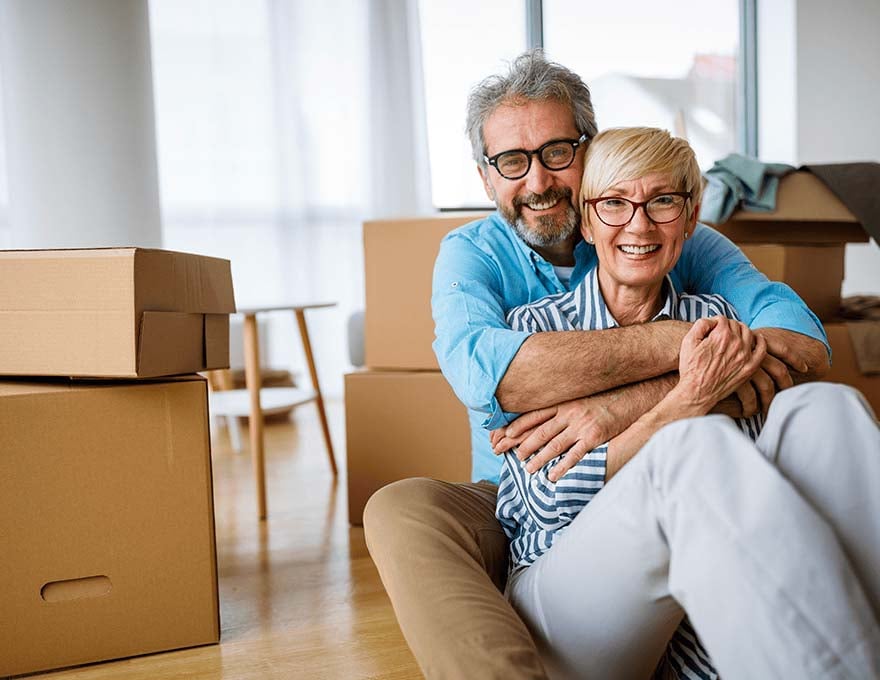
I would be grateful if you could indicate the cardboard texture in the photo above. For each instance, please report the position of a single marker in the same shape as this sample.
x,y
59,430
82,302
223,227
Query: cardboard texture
x,y
398,267
113,312
106,519
806,212
845,368
402,424
814,272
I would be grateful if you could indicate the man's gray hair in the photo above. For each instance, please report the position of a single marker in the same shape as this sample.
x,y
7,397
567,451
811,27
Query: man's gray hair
x,y
531,77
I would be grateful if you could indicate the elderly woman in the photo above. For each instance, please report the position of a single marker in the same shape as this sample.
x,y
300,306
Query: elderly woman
x,y
754,539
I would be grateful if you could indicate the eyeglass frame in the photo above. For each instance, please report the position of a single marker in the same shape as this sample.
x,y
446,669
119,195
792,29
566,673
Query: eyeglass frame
x,y
575,143
639,204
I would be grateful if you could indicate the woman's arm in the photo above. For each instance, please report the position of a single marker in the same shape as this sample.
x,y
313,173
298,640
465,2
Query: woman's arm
x,y
717,356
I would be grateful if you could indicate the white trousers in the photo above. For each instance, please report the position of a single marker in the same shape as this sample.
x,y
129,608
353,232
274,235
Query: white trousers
x,y
772,548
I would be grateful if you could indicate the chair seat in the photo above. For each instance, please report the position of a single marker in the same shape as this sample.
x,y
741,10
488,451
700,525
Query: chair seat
x,y
272,400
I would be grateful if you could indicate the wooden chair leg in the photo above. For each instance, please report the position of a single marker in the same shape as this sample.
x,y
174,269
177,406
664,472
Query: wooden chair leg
x,y
313,373
253,380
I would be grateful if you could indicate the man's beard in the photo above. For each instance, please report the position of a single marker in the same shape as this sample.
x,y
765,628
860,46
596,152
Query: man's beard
x,y
550,229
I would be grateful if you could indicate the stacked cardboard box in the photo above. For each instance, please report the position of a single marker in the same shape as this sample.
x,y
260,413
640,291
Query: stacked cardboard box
x,y
802,243
106,503
402,418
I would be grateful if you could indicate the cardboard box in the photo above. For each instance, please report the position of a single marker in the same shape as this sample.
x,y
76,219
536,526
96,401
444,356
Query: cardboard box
x,y
814,272
398,267
106,521
113,312
844,367
402,424
806,212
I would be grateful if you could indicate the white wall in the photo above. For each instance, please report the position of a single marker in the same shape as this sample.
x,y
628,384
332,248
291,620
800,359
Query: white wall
x,y
818,98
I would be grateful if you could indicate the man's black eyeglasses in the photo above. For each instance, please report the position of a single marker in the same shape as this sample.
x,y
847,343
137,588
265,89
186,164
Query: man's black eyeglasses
x,y
616,211
556,154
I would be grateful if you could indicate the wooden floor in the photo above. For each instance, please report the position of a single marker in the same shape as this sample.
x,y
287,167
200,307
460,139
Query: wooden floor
x,y
299,595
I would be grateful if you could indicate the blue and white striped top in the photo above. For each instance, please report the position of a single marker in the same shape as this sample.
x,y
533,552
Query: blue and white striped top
x,y
532,509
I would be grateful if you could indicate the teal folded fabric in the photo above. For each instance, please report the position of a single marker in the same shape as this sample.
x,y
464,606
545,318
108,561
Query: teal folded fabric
x,y
738,181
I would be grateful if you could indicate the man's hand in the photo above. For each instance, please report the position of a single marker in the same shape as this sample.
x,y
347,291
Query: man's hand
x,y
791,358
804,357
572,427
578,426
756,394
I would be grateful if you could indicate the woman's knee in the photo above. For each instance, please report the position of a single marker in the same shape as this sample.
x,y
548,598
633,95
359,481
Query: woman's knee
x,y
696,450
820,402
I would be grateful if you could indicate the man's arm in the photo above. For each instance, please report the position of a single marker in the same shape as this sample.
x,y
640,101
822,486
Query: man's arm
x,y
579,425
557,366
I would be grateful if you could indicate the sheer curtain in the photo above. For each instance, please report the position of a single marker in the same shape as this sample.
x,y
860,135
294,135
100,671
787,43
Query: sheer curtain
x,y
281,126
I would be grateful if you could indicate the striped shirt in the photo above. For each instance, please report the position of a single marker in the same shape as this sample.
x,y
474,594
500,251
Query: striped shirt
x,y
532,509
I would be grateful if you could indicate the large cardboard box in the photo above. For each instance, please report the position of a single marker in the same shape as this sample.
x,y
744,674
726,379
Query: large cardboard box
x,y
402,424
806,212
814,272
398,267
844,366
106,521
113,312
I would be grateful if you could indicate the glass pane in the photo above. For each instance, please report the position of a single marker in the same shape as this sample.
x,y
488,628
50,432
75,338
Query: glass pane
x,y
462,42
671,65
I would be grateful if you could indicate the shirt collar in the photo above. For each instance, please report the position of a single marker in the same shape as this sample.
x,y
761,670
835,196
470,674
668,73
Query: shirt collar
x,y
669,310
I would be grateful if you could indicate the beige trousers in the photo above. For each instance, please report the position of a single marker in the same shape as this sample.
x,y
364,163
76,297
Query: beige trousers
x,y
443,559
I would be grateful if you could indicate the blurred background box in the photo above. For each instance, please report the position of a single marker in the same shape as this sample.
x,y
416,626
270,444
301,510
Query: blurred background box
x,y
402,424
814,272
399,259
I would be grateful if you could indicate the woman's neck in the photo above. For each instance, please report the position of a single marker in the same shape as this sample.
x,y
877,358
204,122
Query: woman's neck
x,y
630,304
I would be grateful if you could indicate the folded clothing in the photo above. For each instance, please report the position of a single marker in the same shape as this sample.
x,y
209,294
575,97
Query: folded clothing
x,y
737,181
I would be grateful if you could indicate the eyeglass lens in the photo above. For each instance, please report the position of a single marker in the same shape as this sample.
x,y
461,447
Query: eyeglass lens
x,y
616,212
555,156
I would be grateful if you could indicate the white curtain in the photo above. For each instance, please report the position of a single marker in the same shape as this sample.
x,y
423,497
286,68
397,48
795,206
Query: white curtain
x,y
281,126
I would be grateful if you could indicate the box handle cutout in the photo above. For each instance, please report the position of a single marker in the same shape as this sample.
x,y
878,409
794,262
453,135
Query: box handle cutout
x,y
76,589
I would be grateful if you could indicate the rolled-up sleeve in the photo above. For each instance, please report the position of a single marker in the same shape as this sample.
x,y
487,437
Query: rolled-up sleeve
x,y
473,344
711,263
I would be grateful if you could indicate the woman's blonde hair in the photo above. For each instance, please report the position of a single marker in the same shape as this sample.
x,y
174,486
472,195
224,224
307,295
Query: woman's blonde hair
x,y
620,154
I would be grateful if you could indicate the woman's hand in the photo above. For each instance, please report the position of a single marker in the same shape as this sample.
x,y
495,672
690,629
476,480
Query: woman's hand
x,y
717,356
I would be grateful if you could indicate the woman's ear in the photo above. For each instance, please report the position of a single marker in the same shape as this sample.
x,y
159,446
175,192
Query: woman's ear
x,y
692,222
586,229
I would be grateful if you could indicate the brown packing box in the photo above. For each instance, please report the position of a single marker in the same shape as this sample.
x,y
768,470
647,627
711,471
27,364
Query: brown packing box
x,y
402,424
806,212
113,312
398,267
106,519
814,272
844,367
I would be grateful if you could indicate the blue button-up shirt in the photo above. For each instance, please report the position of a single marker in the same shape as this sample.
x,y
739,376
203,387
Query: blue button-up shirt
x,y
484,269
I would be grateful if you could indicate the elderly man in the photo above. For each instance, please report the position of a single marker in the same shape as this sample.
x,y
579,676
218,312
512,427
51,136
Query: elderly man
x,y
439,549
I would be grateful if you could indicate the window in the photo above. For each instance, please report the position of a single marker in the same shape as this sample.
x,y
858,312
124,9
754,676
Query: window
x,y
674,65
462,42
671,65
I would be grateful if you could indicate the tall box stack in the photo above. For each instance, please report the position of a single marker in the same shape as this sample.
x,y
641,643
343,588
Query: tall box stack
x,y
402,418
106,502
802,243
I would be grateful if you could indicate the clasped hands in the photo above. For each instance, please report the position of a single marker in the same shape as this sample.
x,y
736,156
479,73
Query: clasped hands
x,y
719,357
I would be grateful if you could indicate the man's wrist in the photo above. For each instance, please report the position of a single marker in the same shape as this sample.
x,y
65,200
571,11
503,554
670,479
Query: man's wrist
x,y
669,342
